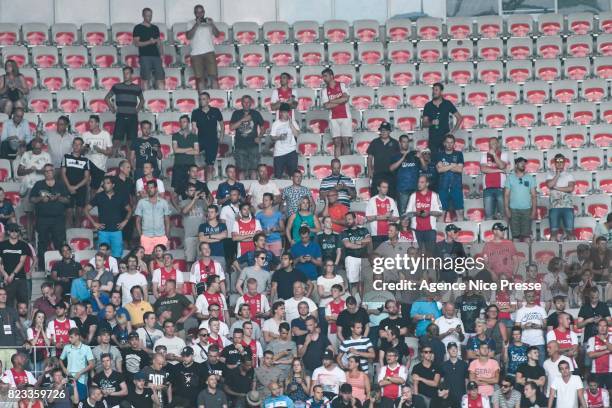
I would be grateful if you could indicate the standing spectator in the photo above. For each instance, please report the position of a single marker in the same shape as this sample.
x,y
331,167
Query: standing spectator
x,y
554,282
129,100
98,147
450,248
335,98
50,199
561,185
186,148
352,313
357,242
334,211
258,189
516,352
343,185
114,213
307,255
272,224
16,135
13,89
10,330
304,217
239,381
284,134
150,49
7,211
64,272
391,377
532,319
565,337
423,208
381,152
80,361
243,230
59,141
450,326
500,255
145,149
455,371
567,389
406,165
426,375
424,312
224,189
436,117
293,194
506,395
148,175
213,232
13,254
493,165
284,94
152,219
598,350
449,164
484,371
111,381
531,370
211,396
75,173
380,211
520,201
357,345
200,34
591,313
129,279
207,123
249,127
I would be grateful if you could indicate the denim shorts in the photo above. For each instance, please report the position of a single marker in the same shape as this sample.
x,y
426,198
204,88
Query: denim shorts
x,y
558,216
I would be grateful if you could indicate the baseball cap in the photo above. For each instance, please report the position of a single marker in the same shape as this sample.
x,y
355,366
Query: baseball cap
x,y
61,305
450,345
104,330
328,355
384,126
133,335
520,159
426,150
140,376
452,227
284,107
472,385
187,351
499,226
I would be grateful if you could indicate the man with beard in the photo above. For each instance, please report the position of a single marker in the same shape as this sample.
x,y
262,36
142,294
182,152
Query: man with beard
x,y
470,306
145,149
134,359
520,201
449,249
157,379
214,366
187,378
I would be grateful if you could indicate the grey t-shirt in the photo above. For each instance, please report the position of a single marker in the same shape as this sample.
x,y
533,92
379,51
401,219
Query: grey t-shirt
x,y
262,276
218,399
278,345
106,277
112,350
264,376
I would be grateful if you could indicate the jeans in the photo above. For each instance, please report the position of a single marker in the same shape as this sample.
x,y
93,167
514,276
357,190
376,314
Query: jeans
x,y
493,202
287,162
49,229
114,239
426,239
402,201
558,216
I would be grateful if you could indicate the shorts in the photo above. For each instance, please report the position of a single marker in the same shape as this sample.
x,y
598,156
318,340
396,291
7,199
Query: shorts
x,y
151,64
558,216
96,176
520,223
79,198
275,247
451,197
209,150
247,158
341,127
126,127
353,269
204,65
149,243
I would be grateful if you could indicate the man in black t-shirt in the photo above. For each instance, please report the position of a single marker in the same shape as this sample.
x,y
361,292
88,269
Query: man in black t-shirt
x,y
134,358
284,278
357,241
346,318
13,253
51,198
249,127
394,320
64,272
239,381
149,42
75,175
111,382
139,396
531,370
591,313
426,370
449,249
214,366
145,149
470,305
436,116
95,399
157,378
233,353
207,122
187,379
200,186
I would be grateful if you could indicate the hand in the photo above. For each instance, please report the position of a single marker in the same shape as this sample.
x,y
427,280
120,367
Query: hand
x,y
121,225
98,226
71,189
45,199
435,122
112,108
257,140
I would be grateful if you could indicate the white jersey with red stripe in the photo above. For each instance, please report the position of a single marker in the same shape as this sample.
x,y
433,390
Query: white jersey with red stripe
x,y
334,92
480,402
392,391
566,339
601,399
206,299
258,303
283,95
380,206
428,202
602,364
142,182
57,330
201,270
16,378
162,275
110,263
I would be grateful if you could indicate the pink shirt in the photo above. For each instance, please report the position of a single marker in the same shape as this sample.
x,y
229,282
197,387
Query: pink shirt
x,y
483,371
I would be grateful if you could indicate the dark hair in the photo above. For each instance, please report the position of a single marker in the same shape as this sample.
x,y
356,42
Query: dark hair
x,y
94,117
327,71
258,235
276,305
145,122
438,85
128,68
284,326
204,93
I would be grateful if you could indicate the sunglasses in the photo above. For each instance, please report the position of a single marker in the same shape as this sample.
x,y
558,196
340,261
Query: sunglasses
x,y
263,258
427,352
506,385
560,161
203,334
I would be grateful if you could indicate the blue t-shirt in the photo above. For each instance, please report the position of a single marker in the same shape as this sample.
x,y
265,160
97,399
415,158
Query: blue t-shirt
x,y
450,178
520,190
314,250
103,298
474,343
216,248
423,307
224,188
268,222
407,172
6,208
78,358
270,263
517,355
280,401
431,173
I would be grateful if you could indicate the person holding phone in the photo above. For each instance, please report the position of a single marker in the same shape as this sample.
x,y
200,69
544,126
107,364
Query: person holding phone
x,y
200,34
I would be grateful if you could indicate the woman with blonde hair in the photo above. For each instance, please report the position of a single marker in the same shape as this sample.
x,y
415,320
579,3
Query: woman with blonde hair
x,y
298,383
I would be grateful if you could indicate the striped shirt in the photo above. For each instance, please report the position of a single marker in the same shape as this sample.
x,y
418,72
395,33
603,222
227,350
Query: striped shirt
x,y
362,344
330,183
126,98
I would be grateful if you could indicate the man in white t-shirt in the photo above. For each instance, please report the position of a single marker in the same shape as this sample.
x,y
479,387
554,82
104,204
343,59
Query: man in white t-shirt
x,y
551,365
200,34
98,148
567,389
127,280
329,375
560,184
174,344
263,185
299,296
451,327
284,134
335,97
31,164
532,319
